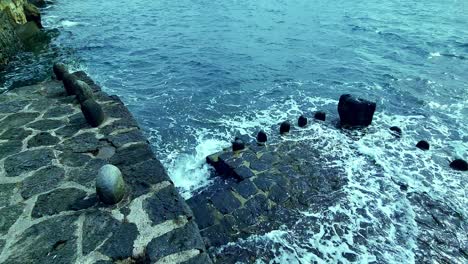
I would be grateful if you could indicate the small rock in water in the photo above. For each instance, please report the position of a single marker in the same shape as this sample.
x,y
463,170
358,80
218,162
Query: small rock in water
x,y
262,137
92,112
238,144
60,70
319,115
424,145
68,83
459,165
285,127
403,187
396,131
302,121
110,186
355,112
83,91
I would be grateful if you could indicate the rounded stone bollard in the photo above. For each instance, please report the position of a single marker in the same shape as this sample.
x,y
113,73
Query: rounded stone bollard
x,y
459,165
69,83
92,112
262,137
238,144
285,127
396,131
83,91
302,121
59,70
319,115
110,186
423,145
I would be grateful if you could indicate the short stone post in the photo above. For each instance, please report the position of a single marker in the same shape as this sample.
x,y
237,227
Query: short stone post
x,y
262,137
110,186
83,91
59,70
238,144
92,112
302,121
69,83
319,115
423,145
285,127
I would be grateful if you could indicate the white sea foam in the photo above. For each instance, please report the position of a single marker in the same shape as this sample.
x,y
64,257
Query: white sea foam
x,y
434,54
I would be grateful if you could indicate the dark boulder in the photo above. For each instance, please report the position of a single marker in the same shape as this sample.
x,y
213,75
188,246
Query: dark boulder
x,y
424,145
459,165
355,112
69,83
83,91
60,70
302,121
319,115
262,137
92,112
285,127
396,131
238,144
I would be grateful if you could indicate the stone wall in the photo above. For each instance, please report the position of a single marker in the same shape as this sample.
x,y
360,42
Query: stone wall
x,y
49,211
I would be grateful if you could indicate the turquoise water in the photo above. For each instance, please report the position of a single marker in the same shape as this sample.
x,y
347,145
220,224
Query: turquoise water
x,y
196,73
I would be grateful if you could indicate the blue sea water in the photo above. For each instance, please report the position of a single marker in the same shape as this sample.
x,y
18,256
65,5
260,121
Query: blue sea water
x,y
197,73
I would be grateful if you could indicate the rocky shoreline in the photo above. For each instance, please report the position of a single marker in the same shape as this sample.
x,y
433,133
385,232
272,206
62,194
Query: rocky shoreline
x,y
49,159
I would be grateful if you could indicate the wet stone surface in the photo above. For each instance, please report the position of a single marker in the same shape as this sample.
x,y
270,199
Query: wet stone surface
x,y
49,211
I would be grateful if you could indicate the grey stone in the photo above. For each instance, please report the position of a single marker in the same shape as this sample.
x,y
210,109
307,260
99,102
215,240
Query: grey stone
x,y
110,185
27,161
120,244
246,188
204,212
86,175
242,173
42,139
199,259
10,147
82,143
59,111
72,159
225,201
180,239
92,112
83,91
46,124
50,241
132,154
16,133
56,201
97,227
6,192
164,205
41,181
105,152
8,216
18,119
129,137
13,106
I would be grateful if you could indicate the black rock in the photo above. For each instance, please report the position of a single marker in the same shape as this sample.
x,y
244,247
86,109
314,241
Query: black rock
x,y
238,144
355,112
60,70
68,83
302,121
285,127
83,91
319,115
93,113
32,14
262,137
424,145
396,131
459,165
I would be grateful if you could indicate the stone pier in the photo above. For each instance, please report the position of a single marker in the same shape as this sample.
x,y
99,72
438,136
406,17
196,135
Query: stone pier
x,y
49,160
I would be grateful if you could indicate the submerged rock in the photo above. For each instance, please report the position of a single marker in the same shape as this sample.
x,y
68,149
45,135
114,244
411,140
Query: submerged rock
x,y
423,145
110,186
396,131
285,127
459,165
319,115
302,121
262,137
355,112
93,112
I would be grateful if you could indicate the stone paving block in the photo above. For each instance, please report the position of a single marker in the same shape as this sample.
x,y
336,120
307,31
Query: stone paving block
x,y
42,139
72,159
6,192
243,172
41,181
132,154
40,105
97,227
215,235
13,106
245,188
175,241
56,201
18,119
204,212
129,137
225,201
86,175
8,216
46,124
117,125
69,130
85,142
27,161
199,259
120,245
50,241
141,176
15,133
10,147
164,205
59,111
